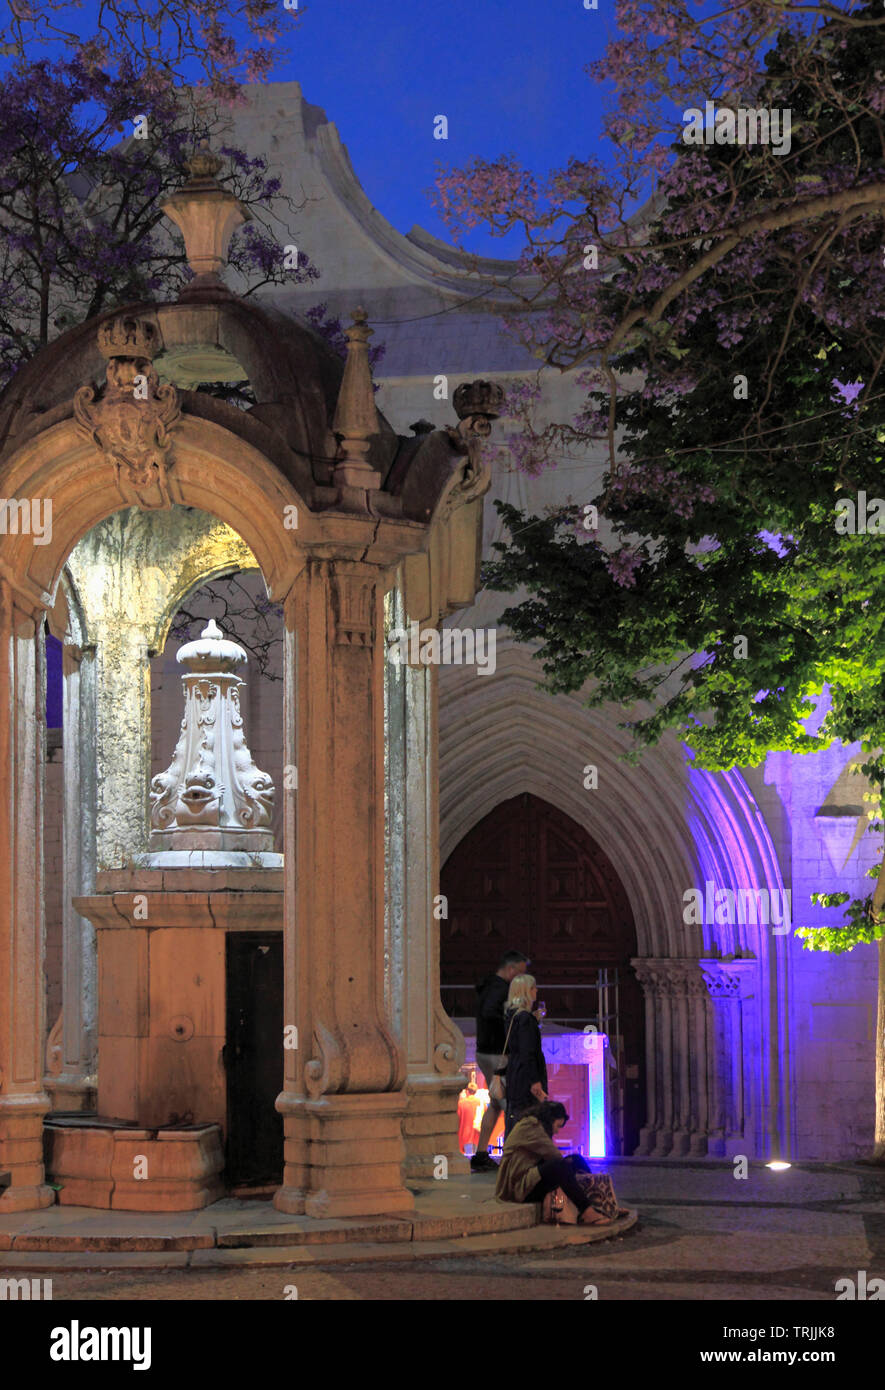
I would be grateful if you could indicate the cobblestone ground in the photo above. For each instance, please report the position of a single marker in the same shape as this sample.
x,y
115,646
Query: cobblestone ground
x,y
703,1235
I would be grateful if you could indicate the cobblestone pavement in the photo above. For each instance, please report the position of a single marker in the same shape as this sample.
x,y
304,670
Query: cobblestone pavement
x,y
703,1235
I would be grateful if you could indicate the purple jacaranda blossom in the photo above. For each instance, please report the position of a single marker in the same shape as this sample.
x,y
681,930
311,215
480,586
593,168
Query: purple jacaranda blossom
x,y
79,200
622,566
849,391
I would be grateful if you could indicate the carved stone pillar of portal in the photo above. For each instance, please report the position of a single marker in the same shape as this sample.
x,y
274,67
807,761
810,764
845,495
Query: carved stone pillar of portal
x,y
343,1100
23,1100
677,1058
72,1085
434,1046
729,983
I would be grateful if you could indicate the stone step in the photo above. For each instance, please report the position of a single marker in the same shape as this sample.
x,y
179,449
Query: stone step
x,y
530,1238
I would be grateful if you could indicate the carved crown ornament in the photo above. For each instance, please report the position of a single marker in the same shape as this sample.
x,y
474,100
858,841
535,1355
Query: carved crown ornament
x,y
477,404
129,419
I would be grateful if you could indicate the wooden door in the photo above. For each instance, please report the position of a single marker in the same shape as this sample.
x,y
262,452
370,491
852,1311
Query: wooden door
x,y
254,1058
529,878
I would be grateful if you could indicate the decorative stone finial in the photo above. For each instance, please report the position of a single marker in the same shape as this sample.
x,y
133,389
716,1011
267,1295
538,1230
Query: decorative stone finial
x,y
203,163
212,651
356,416
212,807
207,215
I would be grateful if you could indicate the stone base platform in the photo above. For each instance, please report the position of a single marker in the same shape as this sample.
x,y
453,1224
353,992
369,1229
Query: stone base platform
x,y
453,1216
99,1163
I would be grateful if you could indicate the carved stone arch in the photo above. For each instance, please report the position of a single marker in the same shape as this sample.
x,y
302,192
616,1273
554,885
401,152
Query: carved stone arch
x,y
529,877
668,828
90,453
214,471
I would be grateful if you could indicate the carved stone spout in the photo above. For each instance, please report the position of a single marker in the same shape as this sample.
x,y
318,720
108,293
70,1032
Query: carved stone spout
x,y
212,807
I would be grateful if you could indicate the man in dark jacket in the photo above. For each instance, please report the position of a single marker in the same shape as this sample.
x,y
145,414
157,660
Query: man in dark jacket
x,y
490,1034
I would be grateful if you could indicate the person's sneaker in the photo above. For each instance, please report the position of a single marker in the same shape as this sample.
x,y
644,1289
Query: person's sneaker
x,y
482,1163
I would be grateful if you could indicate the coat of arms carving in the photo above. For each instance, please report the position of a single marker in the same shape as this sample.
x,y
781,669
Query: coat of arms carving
x,y
130,418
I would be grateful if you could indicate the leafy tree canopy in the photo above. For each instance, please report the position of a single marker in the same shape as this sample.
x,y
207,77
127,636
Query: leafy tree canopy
x,y
730,342
80,196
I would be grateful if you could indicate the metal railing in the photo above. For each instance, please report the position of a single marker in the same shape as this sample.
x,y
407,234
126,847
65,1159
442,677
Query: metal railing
x,y
603,1015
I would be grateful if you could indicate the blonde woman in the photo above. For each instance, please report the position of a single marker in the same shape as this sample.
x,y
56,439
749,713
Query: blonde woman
x,y
526,1072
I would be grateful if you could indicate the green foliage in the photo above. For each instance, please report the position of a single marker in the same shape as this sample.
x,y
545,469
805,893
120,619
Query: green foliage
x,y
718,519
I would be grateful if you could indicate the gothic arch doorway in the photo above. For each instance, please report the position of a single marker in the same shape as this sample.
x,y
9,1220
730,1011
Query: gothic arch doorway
x,y
528,876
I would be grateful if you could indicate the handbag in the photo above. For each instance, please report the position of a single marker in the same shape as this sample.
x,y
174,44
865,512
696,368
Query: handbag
x,y
599,1191
498,1086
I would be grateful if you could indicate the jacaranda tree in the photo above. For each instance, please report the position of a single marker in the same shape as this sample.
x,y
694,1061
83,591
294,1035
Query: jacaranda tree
x,y
729,339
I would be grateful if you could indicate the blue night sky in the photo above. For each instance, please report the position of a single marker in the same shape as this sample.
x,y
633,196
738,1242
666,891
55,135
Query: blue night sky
x,y
508,74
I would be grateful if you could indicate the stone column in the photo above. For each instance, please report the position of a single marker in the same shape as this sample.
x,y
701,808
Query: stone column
x,y
74,1086
654,1122
434,1046
728,984
677,1061
23,1100
343,1102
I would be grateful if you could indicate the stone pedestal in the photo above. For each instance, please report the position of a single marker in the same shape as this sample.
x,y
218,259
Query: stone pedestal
x,y
161,1008
430,1127
161,1005
346,1153
135,1169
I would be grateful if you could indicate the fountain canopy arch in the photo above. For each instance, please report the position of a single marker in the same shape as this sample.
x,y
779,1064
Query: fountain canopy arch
x,y
336,510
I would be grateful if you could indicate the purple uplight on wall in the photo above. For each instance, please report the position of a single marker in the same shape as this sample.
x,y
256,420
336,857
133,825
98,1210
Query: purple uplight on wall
x,y
54,683
732,845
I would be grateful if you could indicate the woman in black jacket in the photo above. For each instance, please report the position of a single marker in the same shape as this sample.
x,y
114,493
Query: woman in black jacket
x,y
526,1072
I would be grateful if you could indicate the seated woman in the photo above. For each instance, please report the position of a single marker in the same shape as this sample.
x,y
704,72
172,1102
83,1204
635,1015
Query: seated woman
x,y
532,1166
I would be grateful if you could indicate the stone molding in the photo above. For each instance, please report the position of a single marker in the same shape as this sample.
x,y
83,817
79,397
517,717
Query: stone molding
x,y
730,979
353,598
667,978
